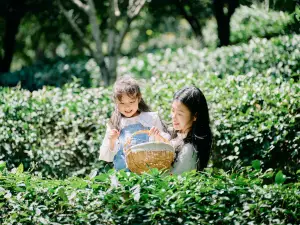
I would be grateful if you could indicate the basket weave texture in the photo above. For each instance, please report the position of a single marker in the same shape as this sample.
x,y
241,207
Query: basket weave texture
x,y
143,157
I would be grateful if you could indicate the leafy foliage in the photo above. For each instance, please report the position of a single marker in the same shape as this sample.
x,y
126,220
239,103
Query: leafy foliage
x,y
255,21
124,198
252,91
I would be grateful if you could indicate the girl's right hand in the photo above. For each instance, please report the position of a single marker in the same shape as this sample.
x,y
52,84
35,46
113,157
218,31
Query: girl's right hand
x,y
113,135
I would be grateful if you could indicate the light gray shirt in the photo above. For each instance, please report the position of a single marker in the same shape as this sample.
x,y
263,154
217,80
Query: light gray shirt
x,y
186,158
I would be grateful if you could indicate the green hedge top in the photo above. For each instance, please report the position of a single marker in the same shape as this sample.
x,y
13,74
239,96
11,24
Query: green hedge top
x,y
278,57
254,116
212,197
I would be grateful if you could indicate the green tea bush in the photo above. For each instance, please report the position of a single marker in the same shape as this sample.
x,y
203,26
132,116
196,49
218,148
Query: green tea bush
x,y
212,197
60,130
278,57
252,118
56,72
254,110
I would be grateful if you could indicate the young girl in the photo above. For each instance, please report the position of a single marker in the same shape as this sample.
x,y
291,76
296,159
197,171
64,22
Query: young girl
x,y
192,136
131,114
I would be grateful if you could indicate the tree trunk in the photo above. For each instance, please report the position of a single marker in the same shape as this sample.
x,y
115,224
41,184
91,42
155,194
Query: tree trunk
x,y
104,72
113,63
13,20
223,20
194,23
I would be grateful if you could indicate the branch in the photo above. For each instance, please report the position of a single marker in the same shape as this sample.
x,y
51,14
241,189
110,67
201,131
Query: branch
x,y
75,26
92,14
133,10
81,5
122,34
116,8
112,27
135,7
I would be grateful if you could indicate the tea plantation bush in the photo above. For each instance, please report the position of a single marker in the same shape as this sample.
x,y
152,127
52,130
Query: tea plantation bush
x,y
61,130
251,118
278,57
56,72
254,111
213,197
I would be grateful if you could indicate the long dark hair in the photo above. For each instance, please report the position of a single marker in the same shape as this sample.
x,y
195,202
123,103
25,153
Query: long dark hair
x,y
200,135
129,86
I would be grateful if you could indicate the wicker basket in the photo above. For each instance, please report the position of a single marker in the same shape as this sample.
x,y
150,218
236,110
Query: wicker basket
x,y
142,157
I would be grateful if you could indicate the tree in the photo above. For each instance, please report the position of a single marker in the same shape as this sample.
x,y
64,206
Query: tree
x,y
117,24
12,11
195,12
223,19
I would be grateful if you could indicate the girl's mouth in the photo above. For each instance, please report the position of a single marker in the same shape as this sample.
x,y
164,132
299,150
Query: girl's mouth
x,y
128,111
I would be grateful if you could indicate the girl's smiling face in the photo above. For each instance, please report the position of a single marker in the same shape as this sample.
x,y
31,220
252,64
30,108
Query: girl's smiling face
x,y
128,106
182,117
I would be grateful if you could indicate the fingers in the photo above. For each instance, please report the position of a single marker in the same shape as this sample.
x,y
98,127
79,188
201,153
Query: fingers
x,y
114,134
115,131
154,131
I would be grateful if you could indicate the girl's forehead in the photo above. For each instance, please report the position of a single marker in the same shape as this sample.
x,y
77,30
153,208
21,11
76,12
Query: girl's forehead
x,y
125,97
178,105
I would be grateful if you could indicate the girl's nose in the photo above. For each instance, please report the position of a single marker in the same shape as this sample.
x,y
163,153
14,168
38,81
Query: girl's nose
x,y
173,117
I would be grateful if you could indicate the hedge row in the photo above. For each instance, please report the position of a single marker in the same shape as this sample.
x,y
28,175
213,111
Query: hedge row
x,y
59,130
254,116
277,57
213,197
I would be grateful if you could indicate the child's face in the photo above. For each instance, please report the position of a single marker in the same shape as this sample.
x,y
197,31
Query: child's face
x,y
128,106
181,117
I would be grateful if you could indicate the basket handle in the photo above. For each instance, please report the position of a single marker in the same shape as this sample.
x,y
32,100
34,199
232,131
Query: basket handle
x,y
140,132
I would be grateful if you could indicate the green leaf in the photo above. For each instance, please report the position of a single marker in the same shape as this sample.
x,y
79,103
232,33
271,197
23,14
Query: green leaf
x,y
256,164
280,178
2,166
62,194
20,168
101,177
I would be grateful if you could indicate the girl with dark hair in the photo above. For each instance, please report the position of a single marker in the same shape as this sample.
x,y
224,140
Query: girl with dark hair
x,y
191,136
131,114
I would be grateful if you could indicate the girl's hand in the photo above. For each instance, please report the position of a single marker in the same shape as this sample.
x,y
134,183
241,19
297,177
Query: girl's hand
x,y
154,131
113,135
156,134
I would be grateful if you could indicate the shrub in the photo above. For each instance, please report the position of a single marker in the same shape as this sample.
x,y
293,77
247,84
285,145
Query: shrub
x,y
213,197
254,111
56,72
278,57
60,130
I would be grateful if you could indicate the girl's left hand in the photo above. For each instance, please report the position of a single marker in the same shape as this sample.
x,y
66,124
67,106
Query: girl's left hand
x,y
154,131
156,134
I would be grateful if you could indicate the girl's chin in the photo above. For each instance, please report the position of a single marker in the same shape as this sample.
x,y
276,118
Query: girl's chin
x,y
176,127
130,114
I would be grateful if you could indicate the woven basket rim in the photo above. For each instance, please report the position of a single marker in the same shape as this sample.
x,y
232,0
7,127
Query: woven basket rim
x,y
158,147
